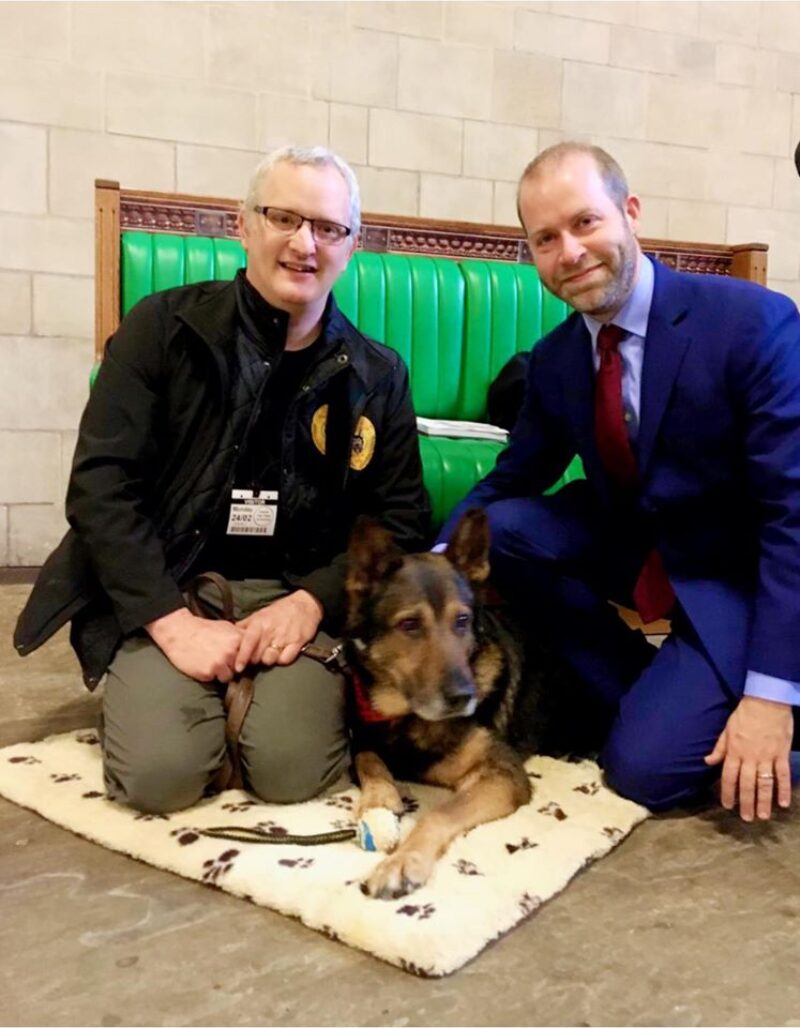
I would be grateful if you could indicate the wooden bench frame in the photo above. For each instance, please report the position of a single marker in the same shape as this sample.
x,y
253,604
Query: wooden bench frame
x,y
118,210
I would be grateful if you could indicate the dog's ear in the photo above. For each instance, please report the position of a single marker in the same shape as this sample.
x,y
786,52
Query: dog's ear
x,y
371,557
468,549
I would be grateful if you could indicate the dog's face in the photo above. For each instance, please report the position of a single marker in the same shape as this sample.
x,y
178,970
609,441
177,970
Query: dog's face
x,y
410,619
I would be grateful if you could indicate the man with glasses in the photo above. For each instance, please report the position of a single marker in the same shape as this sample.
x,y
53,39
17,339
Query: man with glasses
x,y
239,428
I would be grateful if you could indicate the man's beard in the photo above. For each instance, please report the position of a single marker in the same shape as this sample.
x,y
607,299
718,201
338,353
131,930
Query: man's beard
x,y
601,300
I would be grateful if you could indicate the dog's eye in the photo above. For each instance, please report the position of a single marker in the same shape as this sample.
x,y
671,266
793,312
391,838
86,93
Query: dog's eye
x,y
462,622
409,625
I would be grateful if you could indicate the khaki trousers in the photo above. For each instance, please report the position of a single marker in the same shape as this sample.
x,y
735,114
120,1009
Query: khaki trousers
x,y
164,733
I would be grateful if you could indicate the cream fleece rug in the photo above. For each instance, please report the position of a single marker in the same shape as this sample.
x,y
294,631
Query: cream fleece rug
x,y
488,881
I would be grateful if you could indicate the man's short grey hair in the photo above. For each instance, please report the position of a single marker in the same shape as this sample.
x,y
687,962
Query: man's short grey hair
x,y
612,175
317,156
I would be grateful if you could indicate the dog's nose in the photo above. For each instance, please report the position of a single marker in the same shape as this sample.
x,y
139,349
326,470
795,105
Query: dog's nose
x,y
458,697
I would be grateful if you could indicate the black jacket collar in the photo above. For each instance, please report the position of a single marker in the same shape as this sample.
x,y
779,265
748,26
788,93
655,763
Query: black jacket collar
x,y
213,314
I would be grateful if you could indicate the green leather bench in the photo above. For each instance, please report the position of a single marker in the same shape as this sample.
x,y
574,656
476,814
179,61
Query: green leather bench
x,y
456,300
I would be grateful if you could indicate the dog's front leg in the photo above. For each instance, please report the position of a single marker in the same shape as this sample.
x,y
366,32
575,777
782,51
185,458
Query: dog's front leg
x,y
378,787
479,798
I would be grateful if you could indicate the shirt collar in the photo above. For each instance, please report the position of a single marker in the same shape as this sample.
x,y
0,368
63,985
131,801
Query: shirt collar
x,y
633,317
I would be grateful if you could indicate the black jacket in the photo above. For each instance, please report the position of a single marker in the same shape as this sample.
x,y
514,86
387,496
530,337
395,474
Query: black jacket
x,y
156,417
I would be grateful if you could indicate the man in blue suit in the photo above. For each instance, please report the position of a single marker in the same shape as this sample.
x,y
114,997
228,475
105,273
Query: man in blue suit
x,y
681,393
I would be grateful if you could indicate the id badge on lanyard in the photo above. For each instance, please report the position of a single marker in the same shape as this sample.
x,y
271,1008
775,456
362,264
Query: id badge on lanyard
x,y
253,512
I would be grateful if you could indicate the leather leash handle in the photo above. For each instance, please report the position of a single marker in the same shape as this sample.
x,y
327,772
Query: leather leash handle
x,y
240,689
201,608
238,697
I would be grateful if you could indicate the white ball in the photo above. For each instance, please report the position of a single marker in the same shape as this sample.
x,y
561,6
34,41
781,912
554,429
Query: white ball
x,y
378,830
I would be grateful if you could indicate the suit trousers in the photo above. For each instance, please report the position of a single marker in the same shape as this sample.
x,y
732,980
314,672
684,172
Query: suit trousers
x,y
557,558
164,733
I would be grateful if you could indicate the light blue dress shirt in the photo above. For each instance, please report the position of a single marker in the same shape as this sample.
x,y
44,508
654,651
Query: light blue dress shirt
x,y
633,318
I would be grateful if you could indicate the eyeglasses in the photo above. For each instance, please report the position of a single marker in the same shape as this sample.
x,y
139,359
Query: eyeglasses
x,y
329,233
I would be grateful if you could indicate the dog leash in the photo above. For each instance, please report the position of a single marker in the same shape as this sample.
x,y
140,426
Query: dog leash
x,y
239,691
332,659
241,833
238,697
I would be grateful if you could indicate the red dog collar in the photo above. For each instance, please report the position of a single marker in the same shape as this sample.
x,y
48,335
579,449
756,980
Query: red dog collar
x,y
364,709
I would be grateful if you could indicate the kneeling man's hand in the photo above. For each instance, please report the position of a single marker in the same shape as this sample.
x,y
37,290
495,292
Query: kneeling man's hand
x,y
754,751
203,650
276,634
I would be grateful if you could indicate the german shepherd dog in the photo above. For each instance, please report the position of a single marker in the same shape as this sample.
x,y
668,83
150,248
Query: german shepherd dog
x,y
440,674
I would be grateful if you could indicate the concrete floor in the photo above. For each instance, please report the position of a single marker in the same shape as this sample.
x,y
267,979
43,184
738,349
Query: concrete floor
x,y
693,920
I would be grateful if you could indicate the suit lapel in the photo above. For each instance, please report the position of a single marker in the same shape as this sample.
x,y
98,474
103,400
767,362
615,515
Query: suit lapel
x,y
664,349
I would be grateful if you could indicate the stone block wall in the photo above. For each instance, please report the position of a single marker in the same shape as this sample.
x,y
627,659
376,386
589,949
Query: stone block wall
x,y
437,105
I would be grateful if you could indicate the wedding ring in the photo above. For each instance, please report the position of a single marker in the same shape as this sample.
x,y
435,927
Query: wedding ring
x,y
765,776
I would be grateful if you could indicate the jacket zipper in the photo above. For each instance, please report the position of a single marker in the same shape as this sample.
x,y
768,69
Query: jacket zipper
x,y
202,536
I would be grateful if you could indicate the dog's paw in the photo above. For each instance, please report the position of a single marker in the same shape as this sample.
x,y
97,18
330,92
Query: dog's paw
x,y
398,875
379,794
378,830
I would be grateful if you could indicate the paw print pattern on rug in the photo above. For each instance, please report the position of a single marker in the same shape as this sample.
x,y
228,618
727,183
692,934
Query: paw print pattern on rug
x,y
185,836
533,774
219,866
88,738
93,794
64,777
420,912
24,760
466,867
151,817
301,863
340,801
238,807
613,832
271,828
588,788
524,844
343,823
552,809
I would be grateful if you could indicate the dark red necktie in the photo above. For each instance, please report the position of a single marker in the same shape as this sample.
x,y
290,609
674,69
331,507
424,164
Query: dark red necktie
x,y
652,594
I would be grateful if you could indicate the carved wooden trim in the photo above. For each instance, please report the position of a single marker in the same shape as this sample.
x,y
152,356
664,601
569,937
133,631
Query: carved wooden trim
x,y
385,233
499,245
184,219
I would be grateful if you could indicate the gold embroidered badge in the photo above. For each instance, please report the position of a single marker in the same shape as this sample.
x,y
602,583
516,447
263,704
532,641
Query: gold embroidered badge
x,y
363,438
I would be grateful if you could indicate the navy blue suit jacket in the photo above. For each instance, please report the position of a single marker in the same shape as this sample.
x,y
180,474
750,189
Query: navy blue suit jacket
x,y
718,452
